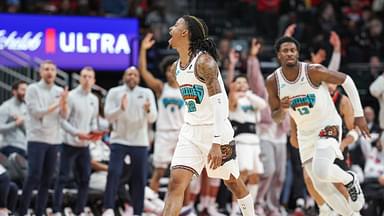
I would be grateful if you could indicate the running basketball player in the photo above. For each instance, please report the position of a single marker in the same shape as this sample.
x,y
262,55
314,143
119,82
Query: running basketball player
x,y
300,89
349,136
206,138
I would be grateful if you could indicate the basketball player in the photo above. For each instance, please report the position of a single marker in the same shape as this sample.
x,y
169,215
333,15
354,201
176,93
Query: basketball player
x,y
349,136
170,113
301,90
206,138
244,109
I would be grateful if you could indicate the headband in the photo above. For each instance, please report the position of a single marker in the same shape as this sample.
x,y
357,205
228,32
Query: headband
x,y
201,25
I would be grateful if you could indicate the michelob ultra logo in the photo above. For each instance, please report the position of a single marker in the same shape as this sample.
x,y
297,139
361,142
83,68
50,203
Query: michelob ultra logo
x,y
66,42
109,44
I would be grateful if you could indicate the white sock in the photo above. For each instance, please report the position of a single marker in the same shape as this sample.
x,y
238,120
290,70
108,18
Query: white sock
x,y
204,201
211,201
246,205
253,188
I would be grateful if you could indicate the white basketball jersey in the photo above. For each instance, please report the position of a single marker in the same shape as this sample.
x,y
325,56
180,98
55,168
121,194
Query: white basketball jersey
x,y
245,112
171,109
198,109
310,106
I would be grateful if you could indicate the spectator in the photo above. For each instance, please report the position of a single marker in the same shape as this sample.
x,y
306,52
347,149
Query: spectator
x,y
370,116
370,38
129,108
81,127
378,6
327,20
374,176
46,105
12,117
377,90
375,66
356,151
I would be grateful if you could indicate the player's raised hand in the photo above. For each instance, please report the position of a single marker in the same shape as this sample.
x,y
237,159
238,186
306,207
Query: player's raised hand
x,y
290,30
233,57
334,40
361,123
255,47
148,41
215,156
285,103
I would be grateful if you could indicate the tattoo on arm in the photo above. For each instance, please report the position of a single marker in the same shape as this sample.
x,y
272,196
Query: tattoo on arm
x,y
207,71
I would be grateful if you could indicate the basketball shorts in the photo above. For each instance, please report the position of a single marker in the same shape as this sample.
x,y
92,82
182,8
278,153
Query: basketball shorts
x,y
164,147
249,158
194,145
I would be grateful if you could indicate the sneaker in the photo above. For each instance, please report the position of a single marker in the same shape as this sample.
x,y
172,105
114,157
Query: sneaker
x,y
356,196
68,211
283,211
109,212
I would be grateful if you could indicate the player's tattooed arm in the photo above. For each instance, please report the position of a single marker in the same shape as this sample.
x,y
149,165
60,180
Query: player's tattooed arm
x,y
278,107
318,74
207,72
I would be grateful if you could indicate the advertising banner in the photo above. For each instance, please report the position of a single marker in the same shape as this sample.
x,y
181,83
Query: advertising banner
x,y
73,42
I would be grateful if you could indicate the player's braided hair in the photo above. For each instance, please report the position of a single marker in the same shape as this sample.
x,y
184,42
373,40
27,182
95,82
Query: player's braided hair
x,y
198,37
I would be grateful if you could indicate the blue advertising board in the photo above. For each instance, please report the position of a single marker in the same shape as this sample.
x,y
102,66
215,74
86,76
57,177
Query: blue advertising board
x,y
73,42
